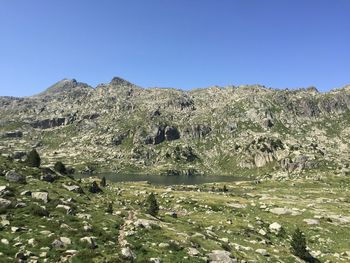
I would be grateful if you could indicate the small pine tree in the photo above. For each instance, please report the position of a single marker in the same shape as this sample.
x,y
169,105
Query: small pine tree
x,y
298,247
109,209
103,182
60,167
33,159
153,208
94,188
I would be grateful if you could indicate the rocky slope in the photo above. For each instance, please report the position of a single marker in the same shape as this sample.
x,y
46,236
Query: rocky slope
x,y
245,130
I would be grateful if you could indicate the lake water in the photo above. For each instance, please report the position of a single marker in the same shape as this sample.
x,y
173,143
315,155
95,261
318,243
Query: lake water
x,y
167,180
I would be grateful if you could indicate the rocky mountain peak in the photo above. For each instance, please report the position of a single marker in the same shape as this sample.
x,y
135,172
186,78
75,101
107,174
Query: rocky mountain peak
x,y
62,86
117,81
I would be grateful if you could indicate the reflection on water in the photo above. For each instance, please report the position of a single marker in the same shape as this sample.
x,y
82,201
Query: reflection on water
x,y
167,180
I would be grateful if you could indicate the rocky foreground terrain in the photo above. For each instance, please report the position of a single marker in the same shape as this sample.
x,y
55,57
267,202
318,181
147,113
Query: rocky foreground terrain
x,y
245,130
49,217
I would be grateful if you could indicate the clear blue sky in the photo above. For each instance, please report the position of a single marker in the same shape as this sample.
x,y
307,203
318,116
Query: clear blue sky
x,y
168,43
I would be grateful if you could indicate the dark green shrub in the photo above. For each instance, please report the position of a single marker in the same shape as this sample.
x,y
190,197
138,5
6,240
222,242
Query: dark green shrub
x,y
60,167
103,182
109,208
152,205
33,159
298,247
94,188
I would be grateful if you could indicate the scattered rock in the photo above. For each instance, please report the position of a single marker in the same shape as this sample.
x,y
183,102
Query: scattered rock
x,y
4,203
193,252
15,177
163,245
284,211
221,256
312,221
43,196
155,260
127,253
145,223
89,240
262,232
73,188
57,244
262,252
5,241
275,227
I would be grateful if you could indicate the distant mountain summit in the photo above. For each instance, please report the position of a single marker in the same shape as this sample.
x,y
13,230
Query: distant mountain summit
x,y
63,86
119,126
117,81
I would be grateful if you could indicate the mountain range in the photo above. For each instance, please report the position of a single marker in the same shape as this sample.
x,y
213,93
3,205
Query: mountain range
x,y
121,127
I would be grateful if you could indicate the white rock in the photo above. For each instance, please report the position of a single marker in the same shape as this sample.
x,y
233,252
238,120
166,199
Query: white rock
x,y
5,222
312,221
192,252
44,196
4,203
66,241
275,227
237,205
89,240
128,253
71,251
221,256
262,251
14,229
31,242
5,241
163,245
262,232
284,211
65,207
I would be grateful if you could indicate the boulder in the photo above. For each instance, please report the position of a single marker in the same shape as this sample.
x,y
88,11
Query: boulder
x,y
196,131
73,188
171,133
4,203
66,241
221,256
90,241
3,190
4,241
43,196
14,134
15,177
57,244
145,223
283,211
48,177
156,135
193,252
51,123
262,252
275,227
163,245
312,221
127,253
18,155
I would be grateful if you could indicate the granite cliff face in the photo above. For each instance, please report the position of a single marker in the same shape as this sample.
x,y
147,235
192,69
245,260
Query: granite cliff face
x,y
245,130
